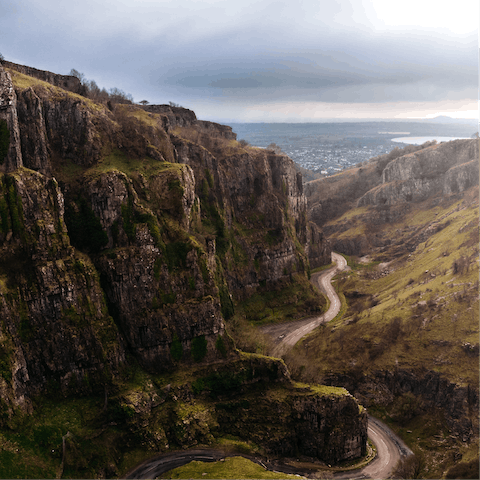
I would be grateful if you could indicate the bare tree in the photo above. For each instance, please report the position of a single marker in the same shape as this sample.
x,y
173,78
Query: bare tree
x,y
76,73
410,468
275,148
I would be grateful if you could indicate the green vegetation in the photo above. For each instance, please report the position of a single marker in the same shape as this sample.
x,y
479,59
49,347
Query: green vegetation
x,y
176,254
128,220
41,450
411,307
290,301
419,310
118,160
199,348
231,467
176,348
84,228
220,346
4,140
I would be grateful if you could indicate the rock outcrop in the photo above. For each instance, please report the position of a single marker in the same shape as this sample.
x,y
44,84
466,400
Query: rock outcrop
x,y
402,176
444,168
10,149
157,223
459,404
56,331
66,82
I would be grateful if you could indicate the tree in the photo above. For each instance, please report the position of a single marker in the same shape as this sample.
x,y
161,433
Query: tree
x,y
2,58
144,102
275,148
76,73
411,468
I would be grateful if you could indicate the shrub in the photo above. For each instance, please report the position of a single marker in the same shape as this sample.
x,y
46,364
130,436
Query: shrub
x,y
226,304
463,470
199,348
84,228
220,346
4,140
176,348
460,265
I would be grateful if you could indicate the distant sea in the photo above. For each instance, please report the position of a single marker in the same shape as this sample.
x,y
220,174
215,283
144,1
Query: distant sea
x,y
331,147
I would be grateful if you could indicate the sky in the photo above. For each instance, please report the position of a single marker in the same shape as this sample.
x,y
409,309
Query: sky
x,y
261,60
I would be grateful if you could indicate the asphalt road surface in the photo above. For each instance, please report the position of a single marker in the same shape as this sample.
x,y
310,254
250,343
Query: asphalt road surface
x,y
390,448
286,335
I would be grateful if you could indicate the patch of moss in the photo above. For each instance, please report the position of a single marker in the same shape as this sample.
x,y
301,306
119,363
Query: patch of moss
x,y
176,254
4,140
6,363
199,348
231,467
15,208
176,348
84,228
220,346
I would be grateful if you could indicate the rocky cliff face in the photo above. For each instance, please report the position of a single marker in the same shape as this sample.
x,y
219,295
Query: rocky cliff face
x,y
10,152
445,168
402,176
459,404
66,82
157,223
56,331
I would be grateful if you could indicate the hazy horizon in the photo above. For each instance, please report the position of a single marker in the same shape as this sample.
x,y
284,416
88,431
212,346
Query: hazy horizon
x,y
261,60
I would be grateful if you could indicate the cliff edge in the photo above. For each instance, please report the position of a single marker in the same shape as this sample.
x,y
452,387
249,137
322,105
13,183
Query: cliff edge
x,y
127,235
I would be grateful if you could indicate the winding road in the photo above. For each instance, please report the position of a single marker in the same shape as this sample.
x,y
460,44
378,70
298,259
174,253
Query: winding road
x,y
390,448
286,335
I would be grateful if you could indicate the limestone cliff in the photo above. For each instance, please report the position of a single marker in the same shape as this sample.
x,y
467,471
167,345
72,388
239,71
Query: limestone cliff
x,y
127,233
406,175
445,168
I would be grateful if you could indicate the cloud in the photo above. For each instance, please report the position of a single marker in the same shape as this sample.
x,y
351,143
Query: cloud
x,y
252,52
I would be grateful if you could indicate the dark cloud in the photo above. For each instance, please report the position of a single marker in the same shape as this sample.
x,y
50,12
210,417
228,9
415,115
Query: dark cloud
x,y
241,52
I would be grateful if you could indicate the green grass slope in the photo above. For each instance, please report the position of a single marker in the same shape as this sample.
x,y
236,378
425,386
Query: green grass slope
x,y
412,305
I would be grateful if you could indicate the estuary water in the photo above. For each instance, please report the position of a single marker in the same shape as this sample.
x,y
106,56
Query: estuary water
x,y
420,140
331,147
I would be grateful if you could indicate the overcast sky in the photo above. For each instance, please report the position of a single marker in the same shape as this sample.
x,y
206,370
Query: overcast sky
x,y
261,60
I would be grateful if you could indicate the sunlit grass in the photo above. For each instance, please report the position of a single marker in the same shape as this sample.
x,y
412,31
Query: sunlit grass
x,y
431,293
231,467
148,167
22,82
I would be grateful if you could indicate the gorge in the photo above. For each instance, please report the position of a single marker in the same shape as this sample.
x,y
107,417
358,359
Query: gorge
x,y
128,234
138,247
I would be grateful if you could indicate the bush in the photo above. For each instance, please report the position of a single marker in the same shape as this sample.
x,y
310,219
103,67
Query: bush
x,y
220,346
410,467
199,348
464,470
460,265
4,140
176,349
84,228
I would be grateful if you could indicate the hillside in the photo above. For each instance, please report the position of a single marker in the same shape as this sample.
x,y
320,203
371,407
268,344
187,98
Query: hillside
x,y
131,241
407,344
